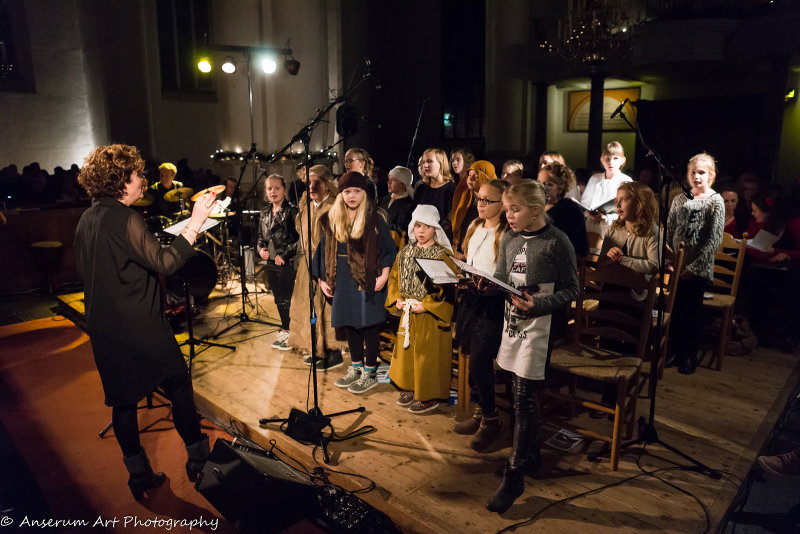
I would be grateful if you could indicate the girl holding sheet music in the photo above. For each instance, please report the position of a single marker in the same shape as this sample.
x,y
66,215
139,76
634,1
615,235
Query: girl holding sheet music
x,y
479,317
768,216
538,259
422,355
698,223
602,187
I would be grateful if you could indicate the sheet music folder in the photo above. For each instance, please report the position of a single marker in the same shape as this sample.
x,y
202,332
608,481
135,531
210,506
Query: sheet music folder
x,y
441,273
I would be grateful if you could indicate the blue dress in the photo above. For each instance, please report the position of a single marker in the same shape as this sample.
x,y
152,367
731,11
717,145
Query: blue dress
x,y
351,306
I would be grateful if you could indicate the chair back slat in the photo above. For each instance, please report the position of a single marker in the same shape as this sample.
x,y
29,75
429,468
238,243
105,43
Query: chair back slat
x,y
728,262
621,321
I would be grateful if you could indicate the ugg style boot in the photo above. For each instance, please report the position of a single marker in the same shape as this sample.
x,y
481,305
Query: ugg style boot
x,y
487,434
469,426
197,455
141,477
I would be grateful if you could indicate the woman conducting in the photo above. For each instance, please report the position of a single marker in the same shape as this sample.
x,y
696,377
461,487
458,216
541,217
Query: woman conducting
x,y
134,347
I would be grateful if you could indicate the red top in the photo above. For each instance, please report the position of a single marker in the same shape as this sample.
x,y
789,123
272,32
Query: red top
x,y
790,232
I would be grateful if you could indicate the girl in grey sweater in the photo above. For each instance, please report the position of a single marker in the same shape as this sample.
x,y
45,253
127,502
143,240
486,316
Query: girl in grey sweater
x,y
698,223
537,259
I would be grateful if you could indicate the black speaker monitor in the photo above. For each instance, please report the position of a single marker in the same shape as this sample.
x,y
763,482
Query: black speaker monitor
x,y
253,491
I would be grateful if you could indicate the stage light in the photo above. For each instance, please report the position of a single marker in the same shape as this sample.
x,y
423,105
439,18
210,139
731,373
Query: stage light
x,y
291,65
268,64
228,67
204,65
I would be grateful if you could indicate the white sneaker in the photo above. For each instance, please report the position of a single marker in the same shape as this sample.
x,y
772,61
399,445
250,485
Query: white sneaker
x,y
353,374
282,342
365,383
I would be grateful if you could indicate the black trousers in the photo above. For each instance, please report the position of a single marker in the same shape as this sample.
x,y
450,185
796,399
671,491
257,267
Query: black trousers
x,y
178,390
281,283
687,318
363,344
479,331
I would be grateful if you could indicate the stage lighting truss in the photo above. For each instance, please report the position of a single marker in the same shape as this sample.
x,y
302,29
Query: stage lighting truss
x,y
232,155
263,58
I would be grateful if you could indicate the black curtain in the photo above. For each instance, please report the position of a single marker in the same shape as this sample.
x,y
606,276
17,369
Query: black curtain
x,y
728,128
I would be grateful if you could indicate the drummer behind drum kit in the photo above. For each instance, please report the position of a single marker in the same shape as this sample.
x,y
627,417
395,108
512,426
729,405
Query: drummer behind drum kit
x,y
212,263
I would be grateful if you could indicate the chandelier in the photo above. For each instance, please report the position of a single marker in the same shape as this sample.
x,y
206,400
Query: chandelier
x,y
595,31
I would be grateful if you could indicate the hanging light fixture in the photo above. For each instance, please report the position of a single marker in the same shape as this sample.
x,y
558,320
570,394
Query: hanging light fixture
x,y
594,31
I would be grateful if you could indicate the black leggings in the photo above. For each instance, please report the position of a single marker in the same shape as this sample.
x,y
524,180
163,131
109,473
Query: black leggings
x,y
360,338
178,389
485,342
686,315
281,283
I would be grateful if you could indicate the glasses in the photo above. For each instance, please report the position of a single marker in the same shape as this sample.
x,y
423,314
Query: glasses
x,y
351,160
485,200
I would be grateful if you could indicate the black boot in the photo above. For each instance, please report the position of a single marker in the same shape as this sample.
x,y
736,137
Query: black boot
x,y
512,487
688,365
197,455
141,476
526,445
534,461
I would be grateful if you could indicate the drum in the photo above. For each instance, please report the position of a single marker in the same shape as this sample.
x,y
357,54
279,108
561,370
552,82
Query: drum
x,y
157,224
201,273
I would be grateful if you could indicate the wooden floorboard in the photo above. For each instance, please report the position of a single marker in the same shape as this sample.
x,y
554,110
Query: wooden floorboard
x,y
428,480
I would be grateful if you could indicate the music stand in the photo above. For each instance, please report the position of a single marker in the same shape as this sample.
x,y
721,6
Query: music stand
x,y
191,341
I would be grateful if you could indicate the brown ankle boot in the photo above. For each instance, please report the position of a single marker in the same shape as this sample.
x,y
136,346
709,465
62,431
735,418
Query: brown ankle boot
x,y
486,435
469,426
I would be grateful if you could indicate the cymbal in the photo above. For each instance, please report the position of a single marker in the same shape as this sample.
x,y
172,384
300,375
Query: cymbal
x,y
178,193
221,214
146,200
213,189
182,213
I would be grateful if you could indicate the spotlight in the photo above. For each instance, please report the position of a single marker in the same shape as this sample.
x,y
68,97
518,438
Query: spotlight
x,y
268,65
204,65
228,67
291,65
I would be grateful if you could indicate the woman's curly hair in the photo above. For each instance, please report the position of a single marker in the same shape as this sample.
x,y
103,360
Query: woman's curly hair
x,y
108,168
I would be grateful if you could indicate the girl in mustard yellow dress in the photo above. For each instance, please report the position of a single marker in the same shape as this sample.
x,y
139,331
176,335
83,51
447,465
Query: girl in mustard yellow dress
x,y
423,349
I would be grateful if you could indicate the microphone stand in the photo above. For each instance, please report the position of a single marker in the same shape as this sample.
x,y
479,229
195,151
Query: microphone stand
x,y
647,433
239,221
416,131
315,420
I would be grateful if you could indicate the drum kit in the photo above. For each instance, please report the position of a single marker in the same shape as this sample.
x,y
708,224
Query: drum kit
x,y
212,263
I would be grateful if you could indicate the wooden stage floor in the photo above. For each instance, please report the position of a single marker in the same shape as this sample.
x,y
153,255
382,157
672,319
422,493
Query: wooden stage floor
x,y
429,481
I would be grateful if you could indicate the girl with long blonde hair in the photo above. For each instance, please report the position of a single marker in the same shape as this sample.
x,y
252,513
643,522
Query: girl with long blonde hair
x,y
352,264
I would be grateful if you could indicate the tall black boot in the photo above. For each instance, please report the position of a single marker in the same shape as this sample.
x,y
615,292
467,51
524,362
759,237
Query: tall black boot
x,y
197,455
141,476
512,487
525,451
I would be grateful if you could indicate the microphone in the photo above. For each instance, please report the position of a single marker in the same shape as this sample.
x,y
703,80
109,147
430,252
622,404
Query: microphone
x,y
371,73
619,108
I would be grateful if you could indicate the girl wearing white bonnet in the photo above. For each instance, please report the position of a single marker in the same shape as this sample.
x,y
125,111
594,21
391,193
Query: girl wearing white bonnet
x,y
421,358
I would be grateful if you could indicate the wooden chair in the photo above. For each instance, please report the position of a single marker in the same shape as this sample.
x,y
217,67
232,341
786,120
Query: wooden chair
x,y
595,242
609,345
461,364
728,261
658,344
